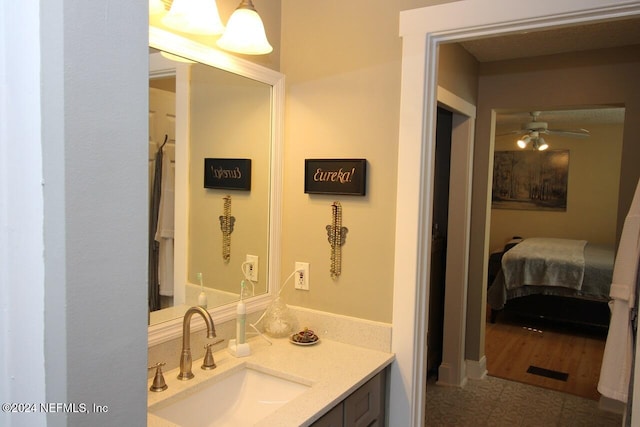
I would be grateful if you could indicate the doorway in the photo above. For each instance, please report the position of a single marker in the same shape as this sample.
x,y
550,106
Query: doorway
x,y
439,240
422,30
562,335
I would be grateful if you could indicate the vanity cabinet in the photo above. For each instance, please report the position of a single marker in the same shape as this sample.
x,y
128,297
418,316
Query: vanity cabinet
x,y
364,407
333,418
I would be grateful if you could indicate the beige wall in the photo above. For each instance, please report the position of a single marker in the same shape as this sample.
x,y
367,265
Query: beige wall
x,y
605,77
592,199
458,72
602,77
343,97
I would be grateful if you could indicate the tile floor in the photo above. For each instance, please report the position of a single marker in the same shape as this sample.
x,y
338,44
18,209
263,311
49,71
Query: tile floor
x,y
497,402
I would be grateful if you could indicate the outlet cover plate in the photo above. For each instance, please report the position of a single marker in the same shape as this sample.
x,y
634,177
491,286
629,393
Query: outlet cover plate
x,y
253,273
302,280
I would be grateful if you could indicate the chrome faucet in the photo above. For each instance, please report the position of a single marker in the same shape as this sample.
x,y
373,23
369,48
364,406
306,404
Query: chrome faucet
x,y
185,357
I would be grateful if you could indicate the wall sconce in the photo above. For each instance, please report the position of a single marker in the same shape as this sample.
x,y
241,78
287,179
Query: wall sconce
x,y
195,17
156,7
245,32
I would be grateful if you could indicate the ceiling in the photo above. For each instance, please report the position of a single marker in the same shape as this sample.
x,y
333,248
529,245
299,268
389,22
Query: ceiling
x,y
600,35
561,119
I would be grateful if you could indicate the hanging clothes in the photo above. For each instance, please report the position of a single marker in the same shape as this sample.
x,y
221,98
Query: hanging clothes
x,y
165,227
154,207
617,361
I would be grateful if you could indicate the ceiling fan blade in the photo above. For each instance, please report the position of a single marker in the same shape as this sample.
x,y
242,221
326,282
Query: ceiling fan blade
x,y
579,133
512,132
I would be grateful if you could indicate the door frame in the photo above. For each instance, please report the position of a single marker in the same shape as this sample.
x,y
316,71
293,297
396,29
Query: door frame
x,y
453,369
422,30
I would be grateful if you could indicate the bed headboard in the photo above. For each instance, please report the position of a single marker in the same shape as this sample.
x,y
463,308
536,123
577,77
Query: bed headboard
x,y
511,243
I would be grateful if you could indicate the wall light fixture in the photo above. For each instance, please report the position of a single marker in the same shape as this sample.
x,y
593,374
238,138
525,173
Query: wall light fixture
x,y
245,32
194,17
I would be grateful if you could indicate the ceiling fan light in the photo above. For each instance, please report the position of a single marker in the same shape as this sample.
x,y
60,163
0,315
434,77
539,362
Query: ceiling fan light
x,y
542,145
524,141
194,17
245,32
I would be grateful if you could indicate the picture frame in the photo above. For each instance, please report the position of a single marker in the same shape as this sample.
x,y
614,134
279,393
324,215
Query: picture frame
x,y
335,176
530,180
227,174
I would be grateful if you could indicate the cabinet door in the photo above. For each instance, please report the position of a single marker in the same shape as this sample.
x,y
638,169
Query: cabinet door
x,y
333,418
365,407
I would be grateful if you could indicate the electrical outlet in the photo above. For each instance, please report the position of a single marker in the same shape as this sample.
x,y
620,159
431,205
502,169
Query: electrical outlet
x,y
252,267
302,276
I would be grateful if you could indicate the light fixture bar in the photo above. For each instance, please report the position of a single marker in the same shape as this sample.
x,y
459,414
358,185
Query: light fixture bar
x,y
533,138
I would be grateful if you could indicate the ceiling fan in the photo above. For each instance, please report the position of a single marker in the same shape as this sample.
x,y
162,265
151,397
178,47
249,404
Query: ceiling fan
x,y
532,133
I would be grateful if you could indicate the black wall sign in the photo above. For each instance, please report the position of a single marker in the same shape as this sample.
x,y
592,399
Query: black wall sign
x,y
335,176
228,174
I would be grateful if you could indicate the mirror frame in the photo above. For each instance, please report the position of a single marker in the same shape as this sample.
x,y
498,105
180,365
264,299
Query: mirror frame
x,y
178,45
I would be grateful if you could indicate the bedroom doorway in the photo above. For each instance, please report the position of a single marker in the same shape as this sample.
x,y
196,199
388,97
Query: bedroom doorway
x,y
423,30
558,343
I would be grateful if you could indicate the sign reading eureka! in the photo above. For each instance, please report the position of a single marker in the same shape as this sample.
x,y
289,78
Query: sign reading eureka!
x,y
335,176
228,174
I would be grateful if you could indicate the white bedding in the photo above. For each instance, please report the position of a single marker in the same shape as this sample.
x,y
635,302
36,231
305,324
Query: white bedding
x,y
545,262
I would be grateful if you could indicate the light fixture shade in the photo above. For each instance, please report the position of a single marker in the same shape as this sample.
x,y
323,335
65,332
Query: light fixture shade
x,y
176,58
194,17
542,145
156,7
245,32
524,141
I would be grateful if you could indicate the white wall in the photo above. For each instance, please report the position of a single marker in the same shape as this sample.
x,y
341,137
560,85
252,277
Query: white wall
x,y
21,213
75,222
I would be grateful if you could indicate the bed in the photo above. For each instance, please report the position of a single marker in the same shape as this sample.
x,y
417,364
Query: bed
x,y
560,279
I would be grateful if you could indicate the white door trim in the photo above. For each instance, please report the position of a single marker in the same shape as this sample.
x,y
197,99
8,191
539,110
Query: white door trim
x,y
452,370
422,30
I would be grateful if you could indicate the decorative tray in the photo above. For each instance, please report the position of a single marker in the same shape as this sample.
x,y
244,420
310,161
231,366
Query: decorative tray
x,y
305,337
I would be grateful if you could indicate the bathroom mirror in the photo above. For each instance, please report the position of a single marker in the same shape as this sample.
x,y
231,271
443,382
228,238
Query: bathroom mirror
x,y
226,108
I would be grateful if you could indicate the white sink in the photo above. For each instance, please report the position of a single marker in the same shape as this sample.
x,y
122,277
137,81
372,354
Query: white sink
x,y
243,398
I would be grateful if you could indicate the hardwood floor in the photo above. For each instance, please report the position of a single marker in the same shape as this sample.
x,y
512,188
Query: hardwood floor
x,y
513,345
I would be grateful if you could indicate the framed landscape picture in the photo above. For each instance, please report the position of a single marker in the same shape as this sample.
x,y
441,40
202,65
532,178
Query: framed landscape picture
x,y
530,180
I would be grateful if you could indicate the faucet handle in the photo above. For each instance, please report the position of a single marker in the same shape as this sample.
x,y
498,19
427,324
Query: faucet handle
x,y
208,363
158,380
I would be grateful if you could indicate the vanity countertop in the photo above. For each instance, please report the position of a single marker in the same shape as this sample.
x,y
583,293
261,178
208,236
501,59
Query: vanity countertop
x,y
333,369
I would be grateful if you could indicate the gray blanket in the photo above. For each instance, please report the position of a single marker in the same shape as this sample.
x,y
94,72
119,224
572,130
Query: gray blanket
x,y
595,284
545,262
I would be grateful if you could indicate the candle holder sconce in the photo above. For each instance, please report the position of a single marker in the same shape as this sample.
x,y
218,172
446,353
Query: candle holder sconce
x,y
226,226
337,235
